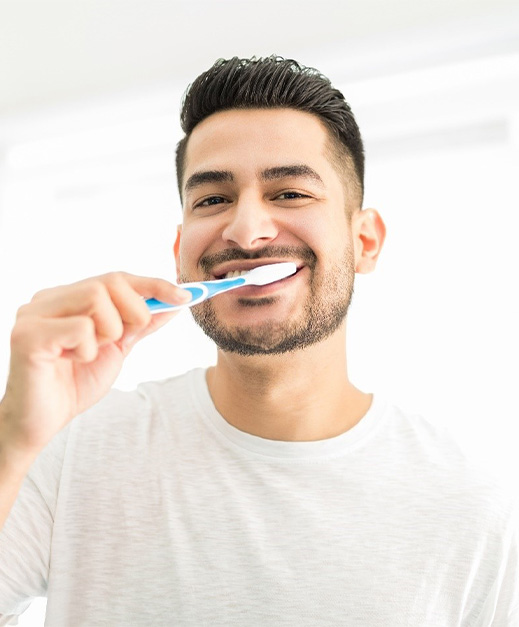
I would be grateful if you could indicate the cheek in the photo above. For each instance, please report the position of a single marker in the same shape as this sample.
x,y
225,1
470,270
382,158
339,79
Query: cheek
x,y
325,237
308,228
194,242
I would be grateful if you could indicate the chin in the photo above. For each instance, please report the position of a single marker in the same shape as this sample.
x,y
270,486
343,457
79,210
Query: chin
x,y
269,337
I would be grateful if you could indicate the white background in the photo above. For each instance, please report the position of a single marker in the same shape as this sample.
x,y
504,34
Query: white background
x,y
89,95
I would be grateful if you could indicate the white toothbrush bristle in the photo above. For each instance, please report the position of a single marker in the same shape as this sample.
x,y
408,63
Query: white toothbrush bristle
x,y
270,273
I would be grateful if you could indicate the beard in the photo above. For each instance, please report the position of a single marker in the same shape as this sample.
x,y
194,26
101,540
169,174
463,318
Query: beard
x,y
323,312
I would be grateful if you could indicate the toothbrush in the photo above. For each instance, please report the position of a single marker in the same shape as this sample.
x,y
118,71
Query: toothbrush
x,y
201,290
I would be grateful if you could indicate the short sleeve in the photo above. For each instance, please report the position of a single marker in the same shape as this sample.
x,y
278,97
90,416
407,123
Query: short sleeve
x,y
501,605
25,540
507,608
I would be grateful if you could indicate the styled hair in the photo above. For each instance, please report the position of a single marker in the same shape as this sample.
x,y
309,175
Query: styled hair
x,y
274,82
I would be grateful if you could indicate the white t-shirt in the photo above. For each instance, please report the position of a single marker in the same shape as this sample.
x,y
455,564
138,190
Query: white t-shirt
x,y
150,509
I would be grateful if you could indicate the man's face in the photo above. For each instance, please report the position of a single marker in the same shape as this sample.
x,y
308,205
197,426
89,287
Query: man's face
x,y
259,188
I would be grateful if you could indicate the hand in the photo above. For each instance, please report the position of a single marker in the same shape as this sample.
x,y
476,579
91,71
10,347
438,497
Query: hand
x,y
67,348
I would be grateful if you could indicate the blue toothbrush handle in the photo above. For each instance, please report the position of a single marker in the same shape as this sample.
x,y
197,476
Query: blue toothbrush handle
x,y
155,306
200,292
221,285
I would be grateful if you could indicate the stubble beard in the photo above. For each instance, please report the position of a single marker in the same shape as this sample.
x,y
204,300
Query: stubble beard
x,y
323,313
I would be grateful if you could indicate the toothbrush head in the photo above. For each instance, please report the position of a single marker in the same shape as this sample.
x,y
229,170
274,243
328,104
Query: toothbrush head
x,y
262,275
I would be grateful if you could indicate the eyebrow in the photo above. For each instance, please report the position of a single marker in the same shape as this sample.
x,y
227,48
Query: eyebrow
x,y
270,174
208,176
292,171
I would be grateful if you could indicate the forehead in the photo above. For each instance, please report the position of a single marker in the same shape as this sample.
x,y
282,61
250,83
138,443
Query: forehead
x,y
256,138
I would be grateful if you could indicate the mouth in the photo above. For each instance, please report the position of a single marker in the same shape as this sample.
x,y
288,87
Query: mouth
x,y
237,268
270,293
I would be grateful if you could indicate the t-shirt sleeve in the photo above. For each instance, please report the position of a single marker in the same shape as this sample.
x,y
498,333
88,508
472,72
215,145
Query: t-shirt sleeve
x,y
25,540
501,604
507,607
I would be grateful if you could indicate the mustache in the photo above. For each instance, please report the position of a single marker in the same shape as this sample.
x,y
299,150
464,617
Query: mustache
x,y
302,253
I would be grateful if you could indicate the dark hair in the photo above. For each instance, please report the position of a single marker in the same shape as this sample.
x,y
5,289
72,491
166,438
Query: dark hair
x,y
272,82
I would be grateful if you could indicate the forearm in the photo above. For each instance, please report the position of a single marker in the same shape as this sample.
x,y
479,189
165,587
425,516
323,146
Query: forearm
x,y
14,466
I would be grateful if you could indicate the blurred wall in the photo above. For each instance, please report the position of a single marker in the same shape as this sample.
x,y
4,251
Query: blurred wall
x,y
87,185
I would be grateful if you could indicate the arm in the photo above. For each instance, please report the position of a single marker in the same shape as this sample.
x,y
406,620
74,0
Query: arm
x,y
67,348
13,469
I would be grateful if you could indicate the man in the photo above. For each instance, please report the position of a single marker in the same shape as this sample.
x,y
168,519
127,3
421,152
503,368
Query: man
x,y
267,490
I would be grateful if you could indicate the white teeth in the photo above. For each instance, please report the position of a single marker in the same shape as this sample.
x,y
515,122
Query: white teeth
x,y
235,273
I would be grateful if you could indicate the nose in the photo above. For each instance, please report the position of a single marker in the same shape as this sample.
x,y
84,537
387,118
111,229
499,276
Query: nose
x,y
250,225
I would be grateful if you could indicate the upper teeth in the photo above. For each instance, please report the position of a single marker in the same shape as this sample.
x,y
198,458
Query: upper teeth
x,y
234,273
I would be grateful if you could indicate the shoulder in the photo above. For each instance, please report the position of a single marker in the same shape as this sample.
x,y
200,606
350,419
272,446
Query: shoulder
x,y
448,472
148,400
122,421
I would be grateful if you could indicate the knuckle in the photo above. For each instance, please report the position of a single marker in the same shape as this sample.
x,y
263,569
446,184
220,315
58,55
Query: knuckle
x,y
18,333
21,333
95,291
143,319
116,278
23,310
86,326
40,294
115,330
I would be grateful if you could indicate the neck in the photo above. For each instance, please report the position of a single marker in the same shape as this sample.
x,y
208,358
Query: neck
x,y
299,396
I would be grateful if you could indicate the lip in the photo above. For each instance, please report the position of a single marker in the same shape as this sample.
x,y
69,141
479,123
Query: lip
x,y
218,272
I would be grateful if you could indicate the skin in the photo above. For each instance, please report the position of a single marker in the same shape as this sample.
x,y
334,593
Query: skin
x,y
305,394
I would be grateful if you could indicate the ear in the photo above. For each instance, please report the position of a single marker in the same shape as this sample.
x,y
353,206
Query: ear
x,y
369,233
176,250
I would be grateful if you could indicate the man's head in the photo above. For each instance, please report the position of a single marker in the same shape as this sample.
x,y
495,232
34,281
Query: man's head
x,y
262,184
273,83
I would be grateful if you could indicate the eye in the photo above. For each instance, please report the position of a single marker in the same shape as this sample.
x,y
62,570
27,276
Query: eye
x,y
211,201
292,197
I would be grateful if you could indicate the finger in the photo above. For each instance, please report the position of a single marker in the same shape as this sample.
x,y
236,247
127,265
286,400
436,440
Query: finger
x,y
114,301
128,292
38,339
86,298
77,298
132,309
160,289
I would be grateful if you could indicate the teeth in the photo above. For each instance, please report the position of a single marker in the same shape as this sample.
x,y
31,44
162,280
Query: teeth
x,y
235,273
